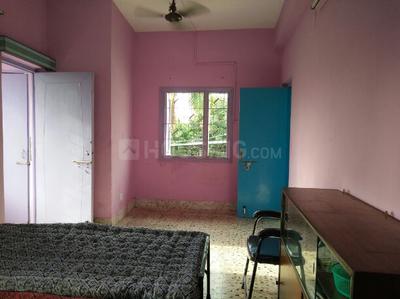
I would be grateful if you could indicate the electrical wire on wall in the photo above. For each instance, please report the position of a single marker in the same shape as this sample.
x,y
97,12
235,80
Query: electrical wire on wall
x,y
199,62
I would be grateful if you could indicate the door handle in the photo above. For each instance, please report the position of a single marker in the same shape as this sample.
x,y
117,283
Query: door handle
x,y
25,157
247,164
82,162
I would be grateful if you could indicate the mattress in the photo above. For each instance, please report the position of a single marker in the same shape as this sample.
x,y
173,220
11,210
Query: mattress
x,y
99,261
30,295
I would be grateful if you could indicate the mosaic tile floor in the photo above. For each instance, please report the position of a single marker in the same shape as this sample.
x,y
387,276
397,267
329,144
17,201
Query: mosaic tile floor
x,y
228,252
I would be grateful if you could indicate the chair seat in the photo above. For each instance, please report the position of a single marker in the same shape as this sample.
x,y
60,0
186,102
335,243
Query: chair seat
x,y
294,251
269,252
270,247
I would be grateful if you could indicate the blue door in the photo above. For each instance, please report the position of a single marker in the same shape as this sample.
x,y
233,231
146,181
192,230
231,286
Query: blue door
x,y
263,163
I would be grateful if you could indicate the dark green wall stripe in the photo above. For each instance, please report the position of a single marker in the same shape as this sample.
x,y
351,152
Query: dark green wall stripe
x,y
19,50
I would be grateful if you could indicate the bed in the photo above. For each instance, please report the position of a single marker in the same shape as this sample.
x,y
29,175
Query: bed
x,y
86,261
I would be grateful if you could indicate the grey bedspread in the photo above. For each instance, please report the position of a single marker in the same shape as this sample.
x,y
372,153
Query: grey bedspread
x,y
100,261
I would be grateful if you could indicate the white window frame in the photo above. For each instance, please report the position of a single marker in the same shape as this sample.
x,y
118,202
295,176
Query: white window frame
x,y
206,90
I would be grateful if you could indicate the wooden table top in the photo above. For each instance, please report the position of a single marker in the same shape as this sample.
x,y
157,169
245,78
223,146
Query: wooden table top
x,y
367,239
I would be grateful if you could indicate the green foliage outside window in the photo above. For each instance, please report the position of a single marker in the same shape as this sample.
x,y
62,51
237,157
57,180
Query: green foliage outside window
x,y
217,125
186,133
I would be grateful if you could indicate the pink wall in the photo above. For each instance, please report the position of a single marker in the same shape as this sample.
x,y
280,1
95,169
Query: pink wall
x,y
344,63
291,14
105,48
122,56
79,38
70,32
25,21
168,60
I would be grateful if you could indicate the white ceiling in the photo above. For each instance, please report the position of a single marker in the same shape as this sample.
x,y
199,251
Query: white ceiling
x,y
223,14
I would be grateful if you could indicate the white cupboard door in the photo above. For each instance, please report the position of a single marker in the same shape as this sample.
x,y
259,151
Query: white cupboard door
x,y
64,153
16,156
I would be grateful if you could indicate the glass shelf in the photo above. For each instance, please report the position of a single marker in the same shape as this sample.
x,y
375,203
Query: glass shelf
x,y
304,252
325,288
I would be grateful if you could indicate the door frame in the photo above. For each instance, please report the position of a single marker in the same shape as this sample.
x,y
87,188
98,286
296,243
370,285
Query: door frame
x,y
2,207
31,68
27,69
25,57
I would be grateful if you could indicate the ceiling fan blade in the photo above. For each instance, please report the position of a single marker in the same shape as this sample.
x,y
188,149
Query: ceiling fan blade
x,y
143,12
194,9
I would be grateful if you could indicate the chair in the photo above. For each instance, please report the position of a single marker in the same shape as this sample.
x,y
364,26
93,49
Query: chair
x,y
264,247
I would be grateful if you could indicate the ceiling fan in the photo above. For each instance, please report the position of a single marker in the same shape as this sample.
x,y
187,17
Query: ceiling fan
x,y
174,15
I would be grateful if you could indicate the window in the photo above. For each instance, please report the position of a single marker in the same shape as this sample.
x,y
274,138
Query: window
x,y
196,123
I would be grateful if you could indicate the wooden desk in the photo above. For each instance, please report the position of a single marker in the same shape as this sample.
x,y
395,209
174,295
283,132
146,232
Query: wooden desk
x,y
364,240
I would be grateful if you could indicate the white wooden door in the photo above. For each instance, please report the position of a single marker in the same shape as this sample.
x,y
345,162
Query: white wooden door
x,y
16,156
64,129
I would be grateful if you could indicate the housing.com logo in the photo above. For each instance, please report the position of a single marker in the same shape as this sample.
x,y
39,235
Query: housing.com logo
x,y
136,149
